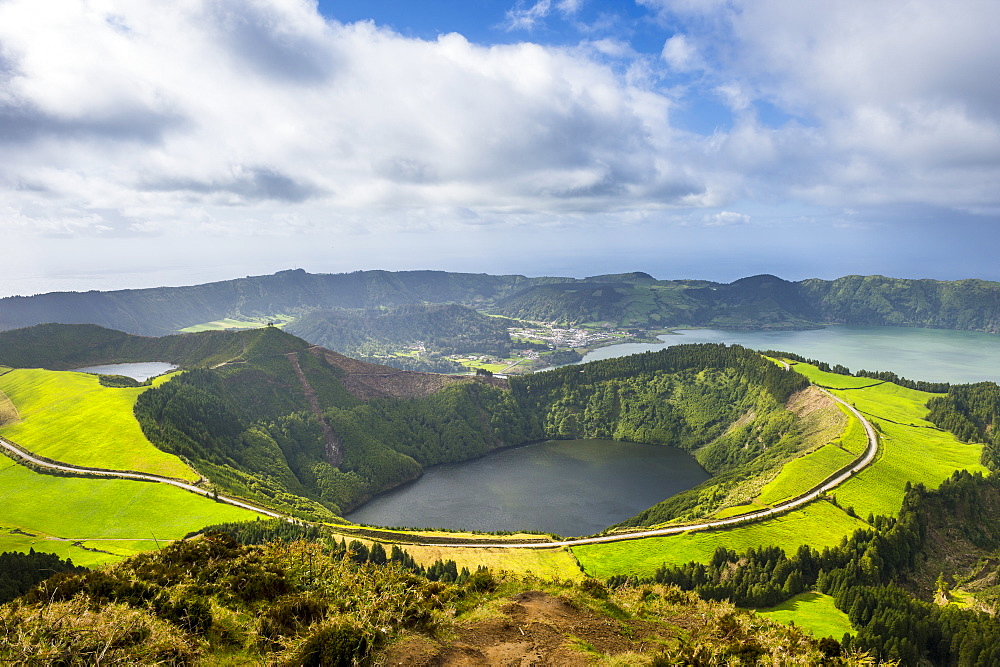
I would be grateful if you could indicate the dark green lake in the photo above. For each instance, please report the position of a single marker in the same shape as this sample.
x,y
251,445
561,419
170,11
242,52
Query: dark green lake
x,y
568,487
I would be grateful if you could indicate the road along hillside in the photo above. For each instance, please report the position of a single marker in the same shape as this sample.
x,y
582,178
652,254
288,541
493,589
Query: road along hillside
x,y
829,484
17,452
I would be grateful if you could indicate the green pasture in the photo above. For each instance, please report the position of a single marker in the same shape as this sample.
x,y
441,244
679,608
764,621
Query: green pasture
x,y
819,525
906,454
89,553
801,474
98,510
814,612
911,448
829,380
70,417
854,438
229,323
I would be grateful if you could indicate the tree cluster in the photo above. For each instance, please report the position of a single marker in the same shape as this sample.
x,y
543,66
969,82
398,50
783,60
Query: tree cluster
x,y
867,575
19,571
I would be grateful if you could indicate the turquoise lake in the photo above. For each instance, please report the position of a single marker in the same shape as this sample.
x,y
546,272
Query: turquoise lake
x,y
934,355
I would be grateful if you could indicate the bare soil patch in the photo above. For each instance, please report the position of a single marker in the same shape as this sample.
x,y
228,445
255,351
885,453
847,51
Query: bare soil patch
x,y
365,381
534,628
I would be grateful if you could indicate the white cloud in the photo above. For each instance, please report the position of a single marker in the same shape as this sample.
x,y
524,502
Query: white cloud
x,y
211,115
725,219
521,17
252,117
680,54
898,100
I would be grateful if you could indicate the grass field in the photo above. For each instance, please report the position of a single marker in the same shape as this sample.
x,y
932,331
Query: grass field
x,y
93,510
70,417
814,612
803,473
218,325
89,553
911,449
545,563
819,524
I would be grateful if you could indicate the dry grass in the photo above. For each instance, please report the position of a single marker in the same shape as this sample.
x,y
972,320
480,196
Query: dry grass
x,y
72,633
8,413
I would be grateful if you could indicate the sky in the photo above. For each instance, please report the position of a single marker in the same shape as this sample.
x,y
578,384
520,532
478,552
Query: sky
x,y
148,143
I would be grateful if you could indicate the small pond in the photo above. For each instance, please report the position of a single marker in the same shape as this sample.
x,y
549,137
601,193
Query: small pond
x,y
140,371
567,487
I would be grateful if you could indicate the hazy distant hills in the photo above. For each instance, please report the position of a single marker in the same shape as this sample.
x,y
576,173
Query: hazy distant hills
x,y
164,310
625,300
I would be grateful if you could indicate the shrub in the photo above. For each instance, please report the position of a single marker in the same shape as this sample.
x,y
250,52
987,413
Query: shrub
x,y
334,644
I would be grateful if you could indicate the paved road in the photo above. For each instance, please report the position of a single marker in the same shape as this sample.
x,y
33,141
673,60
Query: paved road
x,y
828,485
115,474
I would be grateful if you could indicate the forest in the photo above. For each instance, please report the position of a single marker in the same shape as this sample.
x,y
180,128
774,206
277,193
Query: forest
x,y
248,426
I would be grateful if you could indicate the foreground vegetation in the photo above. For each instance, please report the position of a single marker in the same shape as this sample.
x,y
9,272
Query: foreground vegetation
x,y
212,600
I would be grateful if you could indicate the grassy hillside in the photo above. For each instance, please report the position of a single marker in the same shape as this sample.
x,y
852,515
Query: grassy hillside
x,y
70,417
813,612
69,515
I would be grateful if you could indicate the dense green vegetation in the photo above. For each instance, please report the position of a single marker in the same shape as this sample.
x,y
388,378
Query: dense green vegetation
x,y
213,600
19,572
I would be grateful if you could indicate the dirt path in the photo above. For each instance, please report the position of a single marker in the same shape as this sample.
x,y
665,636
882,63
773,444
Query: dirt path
x,y
533,628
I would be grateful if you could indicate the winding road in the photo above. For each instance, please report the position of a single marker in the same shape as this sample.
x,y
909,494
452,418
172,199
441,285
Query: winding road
x,y
830,483
121,474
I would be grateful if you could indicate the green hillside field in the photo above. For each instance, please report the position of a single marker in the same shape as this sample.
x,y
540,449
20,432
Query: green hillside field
x,y
811,611
93,511
70,417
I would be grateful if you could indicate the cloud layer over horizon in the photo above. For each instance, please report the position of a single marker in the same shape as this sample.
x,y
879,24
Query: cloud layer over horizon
x,y
134,119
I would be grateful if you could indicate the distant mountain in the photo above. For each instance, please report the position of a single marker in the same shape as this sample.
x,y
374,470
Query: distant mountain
x,y
163,310
625,300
